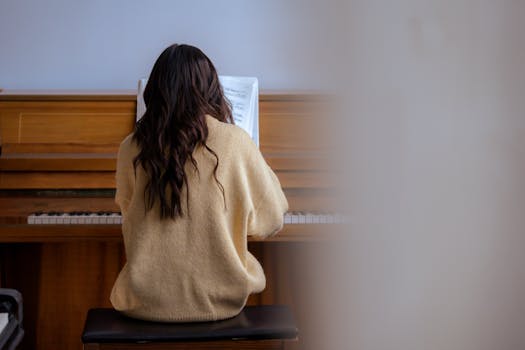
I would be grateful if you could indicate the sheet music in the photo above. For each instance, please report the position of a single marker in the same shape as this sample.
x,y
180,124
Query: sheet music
x,y
243,94
141,105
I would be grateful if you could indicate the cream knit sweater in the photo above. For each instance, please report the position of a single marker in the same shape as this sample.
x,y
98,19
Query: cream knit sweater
x,y
197,267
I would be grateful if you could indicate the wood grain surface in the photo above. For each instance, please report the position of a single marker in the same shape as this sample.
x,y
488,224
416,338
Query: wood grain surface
x,y
58,140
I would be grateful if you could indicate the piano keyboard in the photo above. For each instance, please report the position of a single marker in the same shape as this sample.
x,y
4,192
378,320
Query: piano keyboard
x,y
111,218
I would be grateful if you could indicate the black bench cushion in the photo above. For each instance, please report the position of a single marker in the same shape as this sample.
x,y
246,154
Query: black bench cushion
x,y
254,322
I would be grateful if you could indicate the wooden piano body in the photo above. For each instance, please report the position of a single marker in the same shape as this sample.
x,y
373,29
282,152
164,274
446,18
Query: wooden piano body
x,y
59,154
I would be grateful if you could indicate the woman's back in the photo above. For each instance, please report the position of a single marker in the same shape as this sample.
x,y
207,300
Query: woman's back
x,y
196,267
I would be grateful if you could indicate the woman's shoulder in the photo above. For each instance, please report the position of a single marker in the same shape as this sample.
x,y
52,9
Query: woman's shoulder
x,y
225,135
127,140
128,145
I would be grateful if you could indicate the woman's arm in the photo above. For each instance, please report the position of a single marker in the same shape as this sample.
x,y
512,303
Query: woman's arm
x,y
269,201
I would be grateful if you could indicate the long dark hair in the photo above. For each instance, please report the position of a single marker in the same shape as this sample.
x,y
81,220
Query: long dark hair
x,y
182,88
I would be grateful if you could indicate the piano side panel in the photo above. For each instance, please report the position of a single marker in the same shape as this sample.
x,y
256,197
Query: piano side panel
x,y
19,265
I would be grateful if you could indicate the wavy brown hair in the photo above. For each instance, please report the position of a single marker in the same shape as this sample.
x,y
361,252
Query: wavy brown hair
x,y
182,89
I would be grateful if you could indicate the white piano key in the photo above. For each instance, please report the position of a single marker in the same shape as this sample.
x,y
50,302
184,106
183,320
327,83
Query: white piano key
x,y
309,218
93,218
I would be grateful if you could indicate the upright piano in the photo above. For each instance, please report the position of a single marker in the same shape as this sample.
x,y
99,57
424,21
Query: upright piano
x,y
60,238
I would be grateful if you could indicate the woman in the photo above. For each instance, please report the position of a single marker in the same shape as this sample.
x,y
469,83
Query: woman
x,y
191,187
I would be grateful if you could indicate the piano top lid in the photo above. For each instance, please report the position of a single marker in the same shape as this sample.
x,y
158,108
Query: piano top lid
x,y
131,95
68,95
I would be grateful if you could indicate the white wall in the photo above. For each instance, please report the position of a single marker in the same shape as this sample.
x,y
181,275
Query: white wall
x,y
102,44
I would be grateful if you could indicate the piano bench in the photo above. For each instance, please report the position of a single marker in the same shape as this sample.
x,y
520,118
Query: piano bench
x,y
266,327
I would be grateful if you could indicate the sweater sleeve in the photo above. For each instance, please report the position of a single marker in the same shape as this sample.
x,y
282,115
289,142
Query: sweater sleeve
x,y
269,201
124,176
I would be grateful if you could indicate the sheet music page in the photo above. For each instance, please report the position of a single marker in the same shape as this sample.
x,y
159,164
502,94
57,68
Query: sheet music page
x,y
243,94
239,96
141,105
